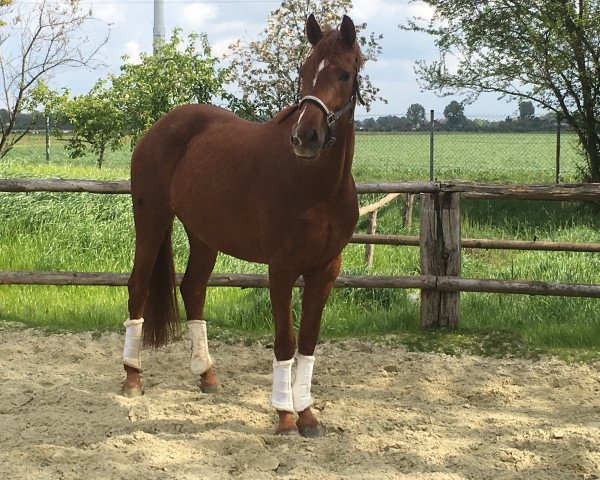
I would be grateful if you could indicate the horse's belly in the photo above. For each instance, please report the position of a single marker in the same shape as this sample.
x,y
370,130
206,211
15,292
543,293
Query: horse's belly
x,y
217,208
229,232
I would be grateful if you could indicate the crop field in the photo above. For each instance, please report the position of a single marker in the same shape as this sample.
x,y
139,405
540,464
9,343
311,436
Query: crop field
x,y
84,232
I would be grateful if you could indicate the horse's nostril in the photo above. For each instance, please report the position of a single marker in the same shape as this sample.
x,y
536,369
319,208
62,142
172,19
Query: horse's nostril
x,y
294,140
314,137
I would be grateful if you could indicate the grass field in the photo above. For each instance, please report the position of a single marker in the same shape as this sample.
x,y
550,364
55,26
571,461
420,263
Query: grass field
x,y
94,233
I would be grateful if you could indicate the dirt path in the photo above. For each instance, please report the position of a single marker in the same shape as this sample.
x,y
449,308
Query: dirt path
x,y
390,414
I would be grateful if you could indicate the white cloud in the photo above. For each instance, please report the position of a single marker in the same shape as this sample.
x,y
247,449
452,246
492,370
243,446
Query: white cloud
x,y
197,16
365,10
133,50
221,47
421,10
109,13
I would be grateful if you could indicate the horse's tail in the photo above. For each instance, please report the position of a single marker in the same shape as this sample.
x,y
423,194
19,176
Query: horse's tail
x,y
161,313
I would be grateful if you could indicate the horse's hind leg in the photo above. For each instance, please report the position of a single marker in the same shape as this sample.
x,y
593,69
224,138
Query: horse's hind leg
x,y
317,286
193,290
152,226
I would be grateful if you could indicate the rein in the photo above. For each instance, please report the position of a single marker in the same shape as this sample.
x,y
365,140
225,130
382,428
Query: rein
x,y
333,117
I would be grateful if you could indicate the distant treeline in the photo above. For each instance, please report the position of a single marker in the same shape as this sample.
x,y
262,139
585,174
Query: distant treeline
x,y
387,123
455,120
32,120
393,123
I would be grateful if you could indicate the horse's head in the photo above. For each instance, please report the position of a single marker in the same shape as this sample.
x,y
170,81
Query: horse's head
x,y
329,86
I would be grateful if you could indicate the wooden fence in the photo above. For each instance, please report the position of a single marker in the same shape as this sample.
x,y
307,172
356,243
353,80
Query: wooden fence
x,y
440,244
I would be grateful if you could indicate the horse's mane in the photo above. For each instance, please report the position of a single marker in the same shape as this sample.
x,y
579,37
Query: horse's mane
x,y
329,43
285,114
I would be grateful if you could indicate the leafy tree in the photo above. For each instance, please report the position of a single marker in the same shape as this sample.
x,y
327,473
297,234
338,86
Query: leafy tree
x,y
526,110
369,124
37,41
126,105
415,115
391,123
545,51
97,122
267,69
4,10
455,115
175,74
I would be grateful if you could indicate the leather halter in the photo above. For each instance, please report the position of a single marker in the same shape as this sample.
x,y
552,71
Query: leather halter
x,y
333,117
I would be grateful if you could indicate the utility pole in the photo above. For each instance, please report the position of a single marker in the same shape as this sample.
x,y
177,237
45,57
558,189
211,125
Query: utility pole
x,y
159,24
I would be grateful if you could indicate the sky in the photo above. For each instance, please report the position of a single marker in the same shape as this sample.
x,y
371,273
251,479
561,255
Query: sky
x,y
225,21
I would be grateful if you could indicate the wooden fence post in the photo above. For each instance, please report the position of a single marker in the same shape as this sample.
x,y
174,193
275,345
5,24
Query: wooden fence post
x,y
408,211
440,256
369,247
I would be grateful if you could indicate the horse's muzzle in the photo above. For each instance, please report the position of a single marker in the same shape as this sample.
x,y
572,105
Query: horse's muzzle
x,y
307,142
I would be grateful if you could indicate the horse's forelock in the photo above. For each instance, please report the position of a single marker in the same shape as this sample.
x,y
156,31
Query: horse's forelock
x,y
327,48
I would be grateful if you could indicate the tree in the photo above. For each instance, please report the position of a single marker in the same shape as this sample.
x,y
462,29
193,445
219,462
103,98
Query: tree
x,y
96,120
455,115
4,10
174,74
545,51
390,123
369,124
526,110
415,115
38,41
126,105
267,69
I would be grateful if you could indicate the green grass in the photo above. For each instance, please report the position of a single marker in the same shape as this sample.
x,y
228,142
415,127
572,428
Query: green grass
x,y
491,157
84,232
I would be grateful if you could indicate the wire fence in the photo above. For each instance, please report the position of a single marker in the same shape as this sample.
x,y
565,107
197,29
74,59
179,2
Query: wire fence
x,y
482,148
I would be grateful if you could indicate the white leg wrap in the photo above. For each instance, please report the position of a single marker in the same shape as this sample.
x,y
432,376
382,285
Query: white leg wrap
x,y
133,343
303,382
281,397
200,359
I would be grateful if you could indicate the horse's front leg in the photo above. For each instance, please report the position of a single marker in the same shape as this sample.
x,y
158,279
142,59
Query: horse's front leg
x,y
281,281
317,285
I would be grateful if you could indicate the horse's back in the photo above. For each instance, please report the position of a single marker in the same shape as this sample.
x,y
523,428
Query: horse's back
x,y
167,140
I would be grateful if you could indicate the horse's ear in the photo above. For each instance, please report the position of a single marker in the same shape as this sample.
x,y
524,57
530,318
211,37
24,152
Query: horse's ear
x,y
348,30
313,30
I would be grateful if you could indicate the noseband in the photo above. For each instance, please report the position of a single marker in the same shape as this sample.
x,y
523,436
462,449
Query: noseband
x,y
333,117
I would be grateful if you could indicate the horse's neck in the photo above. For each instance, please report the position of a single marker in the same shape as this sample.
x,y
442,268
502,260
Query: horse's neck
x,y
331,172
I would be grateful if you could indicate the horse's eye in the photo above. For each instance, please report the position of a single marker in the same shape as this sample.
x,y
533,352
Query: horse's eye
x,y
344,77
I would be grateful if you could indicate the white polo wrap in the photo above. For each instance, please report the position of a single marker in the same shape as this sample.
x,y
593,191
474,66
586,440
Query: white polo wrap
x,y
133,343
281,397
303,382
200,359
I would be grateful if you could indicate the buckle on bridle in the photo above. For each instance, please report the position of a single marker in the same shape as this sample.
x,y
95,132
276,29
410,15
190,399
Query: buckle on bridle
x,y
331,120
332,117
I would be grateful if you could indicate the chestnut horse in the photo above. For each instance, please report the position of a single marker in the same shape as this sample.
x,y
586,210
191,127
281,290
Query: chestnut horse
x,y
279,193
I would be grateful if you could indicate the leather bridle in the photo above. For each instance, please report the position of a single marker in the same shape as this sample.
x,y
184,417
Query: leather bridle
x,y
333,117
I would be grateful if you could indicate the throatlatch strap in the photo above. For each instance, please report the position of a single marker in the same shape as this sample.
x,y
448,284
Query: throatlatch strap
x,y
133,343
281,396
200,359
303,382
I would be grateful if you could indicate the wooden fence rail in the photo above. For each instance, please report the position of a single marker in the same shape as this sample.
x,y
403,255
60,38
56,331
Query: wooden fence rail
x,y
565,192
422,282
440,243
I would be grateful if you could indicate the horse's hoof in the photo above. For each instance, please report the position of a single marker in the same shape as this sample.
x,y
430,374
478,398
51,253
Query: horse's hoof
x,y
288,433
131,392
312,431
212,388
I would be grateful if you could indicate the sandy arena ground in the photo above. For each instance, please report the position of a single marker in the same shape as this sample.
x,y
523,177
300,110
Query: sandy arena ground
x,y
389,414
